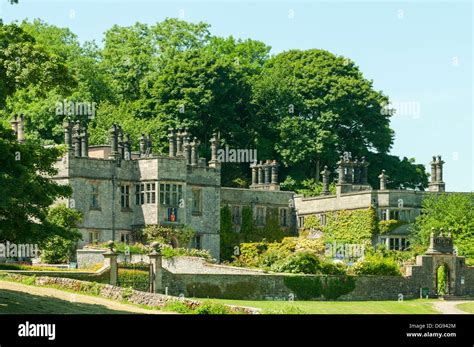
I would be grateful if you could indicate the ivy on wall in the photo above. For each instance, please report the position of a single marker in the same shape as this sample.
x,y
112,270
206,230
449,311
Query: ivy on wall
x,y
350,226
387,226
249,232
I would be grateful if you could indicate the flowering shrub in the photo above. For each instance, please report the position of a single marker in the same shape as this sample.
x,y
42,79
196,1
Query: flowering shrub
x,y
376,264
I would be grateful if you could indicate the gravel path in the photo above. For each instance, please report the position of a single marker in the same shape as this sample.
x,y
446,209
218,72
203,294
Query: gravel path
x,y
449,307
72,297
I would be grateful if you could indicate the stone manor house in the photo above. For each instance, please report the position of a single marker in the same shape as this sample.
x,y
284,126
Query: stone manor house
x,y
120,191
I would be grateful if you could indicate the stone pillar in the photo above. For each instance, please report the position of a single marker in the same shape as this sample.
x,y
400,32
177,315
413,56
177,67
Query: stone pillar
x,y
187,150
128,147
383,180
356,165
193,153
76,139
171,140
341,170
364,179
120,144
85,143
142,145
325,174
67,125
254,174
111,257
260,173
179,143
266,170
157,269
439,169
433,164
21,129
113,142
213,141
274,172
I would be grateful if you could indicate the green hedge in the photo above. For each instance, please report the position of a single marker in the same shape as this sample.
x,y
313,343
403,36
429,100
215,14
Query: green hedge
x,y
136,279
320,287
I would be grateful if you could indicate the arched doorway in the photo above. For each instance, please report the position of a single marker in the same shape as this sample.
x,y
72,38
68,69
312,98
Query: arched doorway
x,y
443,280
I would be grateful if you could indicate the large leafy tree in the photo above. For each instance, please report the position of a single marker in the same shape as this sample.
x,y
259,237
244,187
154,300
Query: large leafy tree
x,y
40,103
448,211
26,192
315,105
24,62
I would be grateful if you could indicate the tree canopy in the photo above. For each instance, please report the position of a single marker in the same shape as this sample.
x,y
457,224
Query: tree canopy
x,y
302,108
26,192
452,212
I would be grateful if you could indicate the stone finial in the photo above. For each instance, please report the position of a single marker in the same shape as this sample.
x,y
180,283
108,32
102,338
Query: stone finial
x,y
142,145
171,142
341,170
194,153
383,180
325,173
179,142
149,145
433,169
274,166
113,141
84,143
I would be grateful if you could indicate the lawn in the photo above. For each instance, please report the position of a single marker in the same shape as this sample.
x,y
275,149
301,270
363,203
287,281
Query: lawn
x,y
418,306
467,307
13,302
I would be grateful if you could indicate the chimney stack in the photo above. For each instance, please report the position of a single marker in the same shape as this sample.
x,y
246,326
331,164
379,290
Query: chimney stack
x,y
436,182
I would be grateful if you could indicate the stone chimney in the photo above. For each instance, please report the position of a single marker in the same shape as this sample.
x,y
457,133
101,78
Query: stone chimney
x,y
194,152
128,147
76,139
21,129
18,126
214,147
436,183
172,142
265,175
142,145
84,143
67,125
120,140
113,132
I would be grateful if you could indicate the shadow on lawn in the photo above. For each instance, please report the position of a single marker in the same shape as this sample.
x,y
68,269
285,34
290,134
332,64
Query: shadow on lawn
x,y
12,302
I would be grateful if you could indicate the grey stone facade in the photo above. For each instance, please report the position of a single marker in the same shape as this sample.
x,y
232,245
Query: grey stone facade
x,y
119,192
353,192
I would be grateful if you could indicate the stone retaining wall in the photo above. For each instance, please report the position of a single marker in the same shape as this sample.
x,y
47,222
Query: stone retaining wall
x,y
119,293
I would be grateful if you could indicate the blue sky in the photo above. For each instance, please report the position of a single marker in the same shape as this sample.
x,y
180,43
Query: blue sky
x,y
419,53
